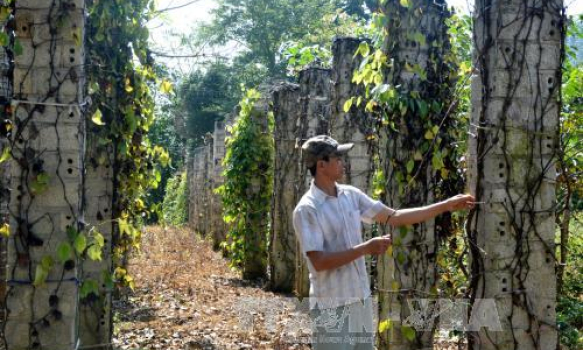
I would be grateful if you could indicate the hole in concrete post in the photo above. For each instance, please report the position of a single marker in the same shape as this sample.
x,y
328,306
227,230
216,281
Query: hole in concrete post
x,y
504,280
71,59
550,81
501,175
70,170
507,49
69,217
502,233
552,32
504,290
501,165
502,223
71,114
72,50
70,161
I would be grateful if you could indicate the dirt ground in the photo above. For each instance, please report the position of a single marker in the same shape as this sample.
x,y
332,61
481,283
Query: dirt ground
x,y
186,297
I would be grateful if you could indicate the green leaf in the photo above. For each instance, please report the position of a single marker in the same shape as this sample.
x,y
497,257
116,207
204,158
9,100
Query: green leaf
x,y
40,184
94,252
64,252
80,243
410,166
17,47
363,49
47,262
408,332
166,86
423,108
420,38
5,230
88,287
97,118
401,257
395,286
123,227
99,239
385,325
405,3
4,39
429,135
5,154
348,104
40,276
437,161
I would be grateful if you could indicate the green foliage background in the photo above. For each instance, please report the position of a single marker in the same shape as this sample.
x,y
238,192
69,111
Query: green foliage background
x,y
175,205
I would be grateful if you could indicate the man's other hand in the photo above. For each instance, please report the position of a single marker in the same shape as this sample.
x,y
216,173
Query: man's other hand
x,y
378,245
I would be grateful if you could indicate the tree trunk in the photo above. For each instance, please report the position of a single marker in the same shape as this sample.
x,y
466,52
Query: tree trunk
x,y
515,120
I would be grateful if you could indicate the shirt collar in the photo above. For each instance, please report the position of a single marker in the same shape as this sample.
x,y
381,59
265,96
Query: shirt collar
x,y
319,195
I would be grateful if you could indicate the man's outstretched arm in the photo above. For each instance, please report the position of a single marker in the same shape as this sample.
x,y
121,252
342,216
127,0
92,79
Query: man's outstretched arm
x,y
411,216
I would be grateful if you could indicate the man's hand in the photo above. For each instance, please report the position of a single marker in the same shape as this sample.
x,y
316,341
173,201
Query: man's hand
x,y
377,245
460,202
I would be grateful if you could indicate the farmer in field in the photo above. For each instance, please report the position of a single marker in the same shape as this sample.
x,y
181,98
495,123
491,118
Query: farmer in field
x,y
327,222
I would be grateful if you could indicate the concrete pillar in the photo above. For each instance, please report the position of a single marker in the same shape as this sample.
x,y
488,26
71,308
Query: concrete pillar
x,y
196,181
207,181
218,227
417,47
286,185
515,123
356,125
314,120
95,314
48,152
6,86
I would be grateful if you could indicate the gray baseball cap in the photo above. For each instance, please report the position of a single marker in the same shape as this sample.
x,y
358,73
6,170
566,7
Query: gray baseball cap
x,y
318,147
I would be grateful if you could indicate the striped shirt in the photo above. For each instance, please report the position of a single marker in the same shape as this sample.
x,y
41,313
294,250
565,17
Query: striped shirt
x,y
332,224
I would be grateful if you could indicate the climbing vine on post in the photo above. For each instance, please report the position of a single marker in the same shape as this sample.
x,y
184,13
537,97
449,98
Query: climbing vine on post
x,y
121,77
409,73
515,123
248,187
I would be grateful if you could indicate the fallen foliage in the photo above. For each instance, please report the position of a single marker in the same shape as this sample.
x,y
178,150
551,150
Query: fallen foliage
x,y
186,297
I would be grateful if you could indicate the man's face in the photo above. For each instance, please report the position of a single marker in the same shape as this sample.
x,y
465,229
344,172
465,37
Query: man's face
x,y
333,168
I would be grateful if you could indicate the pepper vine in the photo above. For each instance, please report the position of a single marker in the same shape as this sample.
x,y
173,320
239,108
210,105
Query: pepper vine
x,y
248,185
121,76
410,75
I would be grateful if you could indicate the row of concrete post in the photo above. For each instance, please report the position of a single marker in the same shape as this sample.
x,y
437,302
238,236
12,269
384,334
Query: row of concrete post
x,y
512,147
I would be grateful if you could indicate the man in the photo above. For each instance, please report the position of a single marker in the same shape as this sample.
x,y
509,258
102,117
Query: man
x,y
327,224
